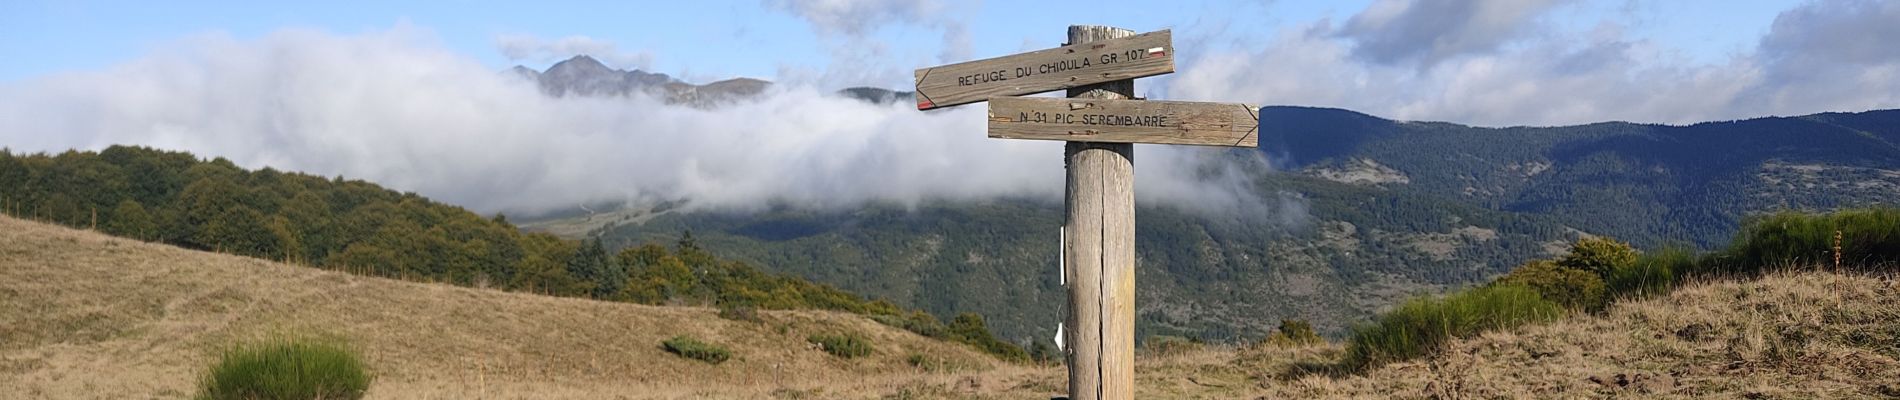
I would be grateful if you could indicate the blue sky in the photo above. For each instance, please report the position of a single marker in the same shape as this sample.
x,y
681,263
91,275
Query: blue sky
x,y
716,39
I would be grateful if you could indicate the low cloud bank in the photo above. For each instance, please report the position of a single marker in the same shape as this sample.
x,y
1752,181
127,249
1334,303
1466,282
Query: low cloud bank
x,y
396,108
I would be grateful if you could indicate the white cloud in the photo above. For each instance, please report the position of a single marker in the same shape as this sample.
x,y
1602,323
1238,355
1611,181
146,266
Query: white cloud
x,y
395,108
518,47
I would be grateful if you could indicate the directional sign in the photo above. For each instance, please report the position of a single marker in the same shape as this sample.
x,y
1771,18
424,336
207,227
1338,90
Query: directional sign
x,y
1147,54
1124,121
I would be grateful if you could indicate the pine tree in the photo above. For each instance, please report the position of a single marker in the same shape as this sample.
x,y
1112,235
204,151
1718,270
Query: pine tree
x,y
589,265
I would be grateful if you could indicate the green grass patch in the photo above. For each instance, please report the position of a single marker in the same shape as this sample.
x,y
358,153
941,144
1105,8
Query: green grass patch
x,y
1420,326
1869,238
287,369
686,346
1653,273
843,346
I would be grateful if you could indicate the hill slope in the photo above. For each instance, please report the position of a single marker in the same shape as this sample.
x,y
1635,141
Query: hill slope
x,y
1787,336
84,315
1393,208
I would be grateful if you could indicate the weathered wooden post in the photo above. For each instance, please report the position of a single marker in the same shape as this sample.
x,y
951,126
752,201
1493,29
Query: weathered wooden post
x,y
1101,212
1101,122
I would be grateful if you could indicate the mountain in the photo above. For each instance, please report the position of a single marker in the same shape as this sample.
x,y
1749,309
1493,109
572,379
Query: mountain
x,y
1387,209
585,76
879,95
1650,184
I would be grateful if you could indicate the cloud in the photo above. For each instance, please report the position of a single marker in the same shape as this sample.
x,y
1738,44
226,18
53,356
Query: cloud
x,y
1821,56
396,108
858,56
1428,32
1831,55
535,49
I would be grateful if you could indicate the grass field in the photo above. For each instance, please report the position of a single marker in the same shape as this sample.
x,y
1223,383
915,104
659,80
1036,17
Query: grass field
x,y
87,316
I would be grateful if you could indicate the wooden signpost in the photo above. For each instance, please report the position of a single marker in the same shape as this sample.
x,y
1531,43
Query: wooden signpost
x,y
1124,121
1074,65
1101,121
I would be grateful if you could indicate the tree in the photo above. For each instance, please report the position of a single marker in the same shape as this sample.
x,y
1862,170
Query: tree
x,y
543,265
590,265
129,219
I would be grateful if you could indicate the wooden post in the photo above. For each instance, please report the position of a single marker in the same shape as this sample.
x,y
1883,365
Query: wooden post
x,y
1101,249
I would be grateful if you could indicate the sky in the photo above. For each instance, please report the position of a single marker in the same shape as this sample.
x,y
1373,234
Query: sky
x,y
722,39
410,94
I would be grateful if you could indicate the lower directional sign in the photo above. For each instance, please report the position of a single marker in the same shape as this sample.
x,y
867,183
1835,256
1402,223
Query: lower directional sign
x,y
1124,121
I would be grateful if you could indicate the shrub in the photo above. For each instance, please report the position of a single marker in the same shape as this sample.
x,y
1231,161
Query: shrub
x,y
1420,326
1169,345
918,322
970,328
843,346
740,313
1043,353
1599,255
1573,289
691,348
1870,237
287,369
1653,273
1294,333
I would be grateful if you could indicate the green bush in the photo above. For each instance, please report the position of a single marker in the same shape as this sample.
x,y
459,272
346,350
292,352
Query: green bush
x,y
1573,289
688,347
1653,273
1598,255
843,346
1870,238
287,369
970,328
918,322
1294,333
1420,326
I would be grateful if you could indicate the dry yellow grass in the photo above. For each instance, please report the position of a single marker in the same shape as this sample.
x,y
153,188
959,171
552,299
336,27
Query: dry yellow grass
x,y
88,316
84,316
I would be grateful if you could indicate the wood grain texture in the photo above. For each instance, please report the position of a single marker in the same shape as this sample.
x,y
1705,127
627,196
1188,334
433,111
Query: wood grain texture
x,y
1124,121
1100,203
1074,65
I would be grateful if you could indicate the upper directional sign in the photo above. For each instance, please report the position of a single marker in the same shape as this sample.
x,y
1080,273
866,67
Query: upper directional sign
x,y
1147,54
1125,121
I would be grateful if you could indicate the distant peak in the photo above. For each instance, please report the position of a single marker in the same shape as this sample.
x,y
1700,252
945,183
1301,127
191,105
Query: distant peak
x,y
582,58
580,62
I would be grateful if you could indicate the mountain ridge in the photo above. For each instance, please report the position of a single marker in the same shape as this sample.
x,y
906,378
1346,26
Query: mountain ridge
x,y
585,76
1398,208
